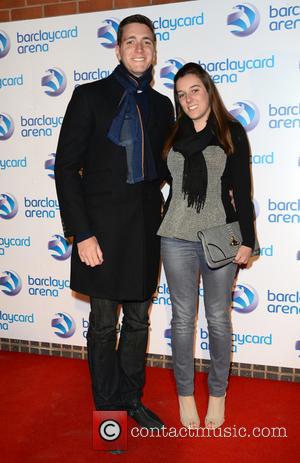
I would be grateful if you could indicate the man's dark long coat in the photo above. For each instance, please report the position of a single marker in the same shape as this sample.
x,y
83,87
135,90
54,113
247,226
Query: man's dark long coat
x,y
123,217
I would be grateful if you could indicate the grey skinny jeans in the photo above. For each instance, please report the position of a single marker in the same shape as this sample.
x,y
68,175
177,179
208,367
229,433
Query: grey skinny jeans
x,y
183,262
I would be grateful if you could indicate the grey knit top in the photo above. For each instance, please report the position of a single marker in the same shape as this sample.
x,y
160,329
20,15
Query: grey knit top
x,y
184,222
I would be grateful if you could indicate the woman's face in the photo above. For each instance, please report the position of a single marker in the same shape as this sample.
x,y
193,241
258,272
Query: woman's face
x,y
193,99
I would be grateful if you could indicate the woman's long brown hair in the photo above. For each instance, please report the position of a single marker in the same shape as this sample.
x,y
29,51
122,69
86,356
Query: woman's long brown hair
x,y
222,116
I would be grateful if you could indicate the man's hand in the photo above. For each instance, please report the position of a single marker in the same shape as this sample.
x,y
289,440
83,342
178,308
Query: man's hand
x,y
90,252
243,255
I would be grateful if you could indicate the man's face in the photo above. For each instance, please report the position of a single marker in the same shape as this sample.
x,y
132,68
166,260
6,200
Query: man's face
x,y
137,49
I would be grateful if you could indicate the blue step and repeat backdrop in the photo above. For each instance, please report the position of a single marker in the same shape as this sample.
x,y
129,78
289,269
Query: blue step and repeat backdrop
x,y
251,50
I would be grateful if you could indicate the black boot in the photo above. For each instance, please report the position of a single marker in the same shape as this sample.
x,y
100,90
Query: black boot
x,y
143,416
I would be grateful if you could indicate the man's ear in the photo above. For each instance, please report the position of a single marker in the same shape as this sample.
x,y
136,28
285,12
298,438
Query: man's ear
x,y
117,51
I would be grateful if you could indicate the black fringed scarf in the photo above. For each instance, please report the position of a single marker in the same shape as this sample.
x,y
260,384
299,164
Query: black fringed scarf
x,y
191,144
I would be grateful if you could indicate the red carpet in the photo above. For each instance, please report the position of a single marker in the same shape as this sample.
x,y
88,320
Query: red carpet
x,y
46,416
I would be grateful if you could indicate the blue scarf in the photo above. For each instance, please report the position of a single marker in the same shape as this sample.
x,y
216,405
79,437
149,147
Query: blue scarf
x,y
128,127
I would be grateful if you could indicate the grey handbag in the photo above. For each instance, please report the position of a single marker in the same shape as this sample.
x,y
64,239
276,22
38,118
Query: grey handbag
x,y
221,244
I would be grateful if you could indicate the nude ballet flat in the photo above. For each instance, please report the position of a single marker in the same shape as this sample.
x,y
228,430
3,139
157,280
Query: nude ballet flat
x,y
215,416
188,412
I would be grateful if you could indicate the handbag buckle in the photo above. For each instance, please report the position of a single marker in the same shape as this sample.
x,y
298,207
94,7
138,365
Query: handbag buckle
x,y
234,241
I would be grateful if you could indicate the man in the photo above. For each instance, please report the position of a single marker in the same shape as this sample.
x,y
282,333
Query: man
x,y
108,172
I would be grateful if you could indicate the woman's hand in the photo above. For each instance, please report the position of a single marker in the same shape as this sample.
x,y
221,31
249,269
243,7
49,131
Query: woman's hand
x,y
90,252
243,255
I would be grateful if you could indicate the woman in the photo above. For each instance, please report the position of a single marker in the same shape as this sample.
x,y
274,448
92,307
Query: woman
x,y
208,157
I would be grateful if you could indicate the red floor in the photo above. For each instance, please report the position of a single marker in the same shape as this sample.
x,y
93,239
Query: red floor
x,y
46,416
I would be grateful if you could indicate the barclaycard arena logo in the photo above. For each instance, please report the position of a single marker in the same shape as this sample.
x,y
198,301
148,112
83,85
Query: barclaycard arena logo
x,y
13,163
246,113
49,165
283,303
40,126
10,283
169,70
8,318
165,26
243,20
6,126
238,340
4,44
41,208
8,242
162,295
8,206
284,211
284,117
245,299
40,41
85,326
107,33
284,18
63,324
89,76
46,286
59,248
55,82
11,81
266,158
230,69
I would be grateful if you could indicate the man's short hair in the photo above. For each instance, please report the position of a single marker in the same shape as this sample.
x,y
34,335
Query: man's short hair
x,y
135,18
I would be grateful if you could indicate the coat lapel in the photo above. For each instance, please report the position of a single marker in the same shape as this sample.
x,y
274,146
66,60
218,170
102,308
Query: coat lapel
x,y
152,113
113,94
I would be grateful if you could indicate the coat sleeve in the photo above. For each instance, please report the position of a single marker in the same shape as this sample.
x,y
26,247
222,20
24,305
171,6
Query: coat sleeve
x,y
71,151
241,184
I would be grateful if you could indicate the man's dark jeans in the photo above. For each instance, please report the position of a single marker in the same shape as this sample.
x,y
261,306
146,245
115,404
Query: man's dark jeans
x,y
118,374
